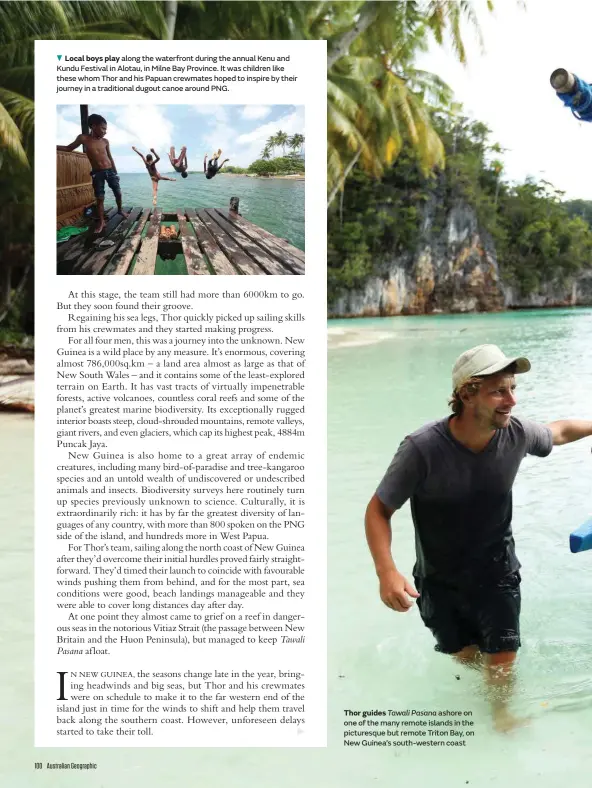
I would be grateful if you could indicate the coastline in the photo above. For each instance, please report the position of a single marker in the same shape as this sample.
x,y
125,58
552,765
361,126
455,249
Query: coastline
x,y
17,381
441,313
263,177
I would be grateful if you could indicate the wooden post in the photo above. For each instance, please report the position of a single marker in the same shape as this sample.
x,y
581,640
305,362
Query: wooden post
x,y
84,118
84,122
234,206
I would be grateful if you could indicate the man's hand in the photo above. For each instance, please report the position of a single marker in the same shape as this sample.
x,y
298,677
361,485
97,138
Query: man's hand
x,y
396,592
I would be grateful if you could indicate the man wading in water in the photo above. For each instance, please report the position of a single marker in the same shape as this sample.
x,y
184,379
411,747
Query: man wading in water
x,y
458,473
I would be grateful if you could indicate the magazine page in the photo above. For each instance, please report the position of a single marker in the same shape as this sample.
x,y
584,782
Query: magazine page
x,y
245,544
180,444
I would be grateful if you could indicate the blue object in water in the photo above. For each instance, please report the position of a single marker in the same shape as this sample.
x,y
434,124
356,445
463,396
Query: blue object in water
x,y
581,539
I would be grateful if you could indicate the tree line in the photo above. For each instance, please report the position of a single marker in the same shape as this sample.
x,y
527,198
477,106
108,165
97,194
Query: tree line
x,y
538,236
269,164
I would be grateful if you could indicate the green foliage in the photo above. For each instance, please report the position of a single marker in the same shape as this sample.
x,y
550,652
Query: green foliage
x,y
378,219
581,208
284,165
235,170
537,237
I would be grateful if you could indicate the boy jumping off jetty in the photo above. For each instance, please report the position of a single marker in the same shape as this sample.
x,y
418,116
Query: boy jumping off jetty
x,y
179,164
96,147
211,166
155,176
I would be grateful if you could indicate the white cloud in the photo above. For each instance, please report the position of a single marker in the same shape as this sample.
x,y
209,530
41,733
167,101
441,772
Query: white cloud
x,y
255,112
252,143
67,130
70,111
215,113
205,125
143,125
292,123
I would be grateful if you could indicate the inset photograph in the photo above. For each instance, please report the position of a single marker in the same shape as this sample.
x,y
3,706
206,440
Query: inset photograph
x,y
180,189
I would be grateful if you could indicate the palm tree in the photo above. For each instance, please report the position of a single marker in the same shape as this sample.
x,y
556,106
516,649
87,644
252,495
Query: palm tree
x,y
377,101
296,142
266,153
381,22
281,139
271,144
21,24
171,8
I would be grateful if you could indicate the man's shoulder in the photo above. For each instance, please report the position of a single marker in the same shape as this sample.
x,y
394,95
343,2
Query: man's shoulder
x,y
518,427
533,435
429,433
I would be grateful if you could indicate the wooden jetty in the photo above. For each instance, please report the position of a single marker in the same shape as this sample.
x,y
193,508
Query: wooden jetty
x,y
206,241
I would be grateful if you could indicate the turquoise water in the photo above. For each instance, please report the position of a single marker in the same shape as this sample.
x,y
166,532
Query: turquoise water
x,y
275,205
386,377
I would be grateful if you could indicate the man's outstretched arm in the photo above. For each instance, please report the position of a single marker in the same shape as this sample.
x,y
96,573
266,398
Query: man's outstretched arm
x,y
569,430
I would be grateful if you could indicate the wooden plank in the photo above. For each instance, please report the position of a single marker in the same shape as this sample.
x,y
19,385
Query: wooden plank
x,y
63,220
91,245
99,259
276,247
231,249
146,259
269,265
70,250
218,260
122,259
194,259
294,251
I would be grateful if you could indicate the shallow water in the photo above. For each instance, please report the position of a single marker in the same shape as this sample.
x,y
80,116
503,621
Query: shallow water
x,y
275,205
386,378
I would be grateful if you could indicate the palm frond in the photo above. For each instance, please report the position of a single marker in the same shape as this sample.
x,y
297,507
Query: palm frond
x,y
10,136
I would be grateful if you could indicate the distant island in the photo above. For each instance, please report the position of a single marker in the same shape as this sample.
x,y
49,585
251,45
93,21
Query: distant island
x,y
288,165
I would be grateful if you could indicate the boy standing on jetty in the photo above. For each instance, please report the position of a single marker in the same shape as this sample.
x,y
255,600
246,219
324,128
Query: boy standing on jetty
x,y
96,147
154,174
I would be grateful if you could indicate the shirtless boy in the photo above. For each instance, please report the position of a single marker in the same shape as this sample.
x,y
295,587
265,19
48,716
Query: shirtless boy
x,y
96,147
179,164
154,174
212,167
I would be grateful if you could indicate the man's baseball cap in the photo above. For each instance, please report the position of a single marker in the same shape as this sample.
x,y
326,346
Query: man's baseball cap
x,y
483,360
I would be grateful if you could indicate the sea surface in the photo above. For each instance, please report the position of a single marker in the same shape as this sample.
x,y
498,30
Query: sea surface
x,y
277,205
386,378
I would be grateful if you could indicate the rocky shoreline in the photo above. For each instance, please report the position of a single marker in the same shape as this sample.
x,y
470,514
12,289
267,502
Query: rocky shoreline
x,y
454,270
17,379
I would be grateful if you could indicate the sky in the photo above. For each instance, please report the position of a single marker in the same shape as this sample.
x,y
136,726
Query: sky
x,y
240,130
508,89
